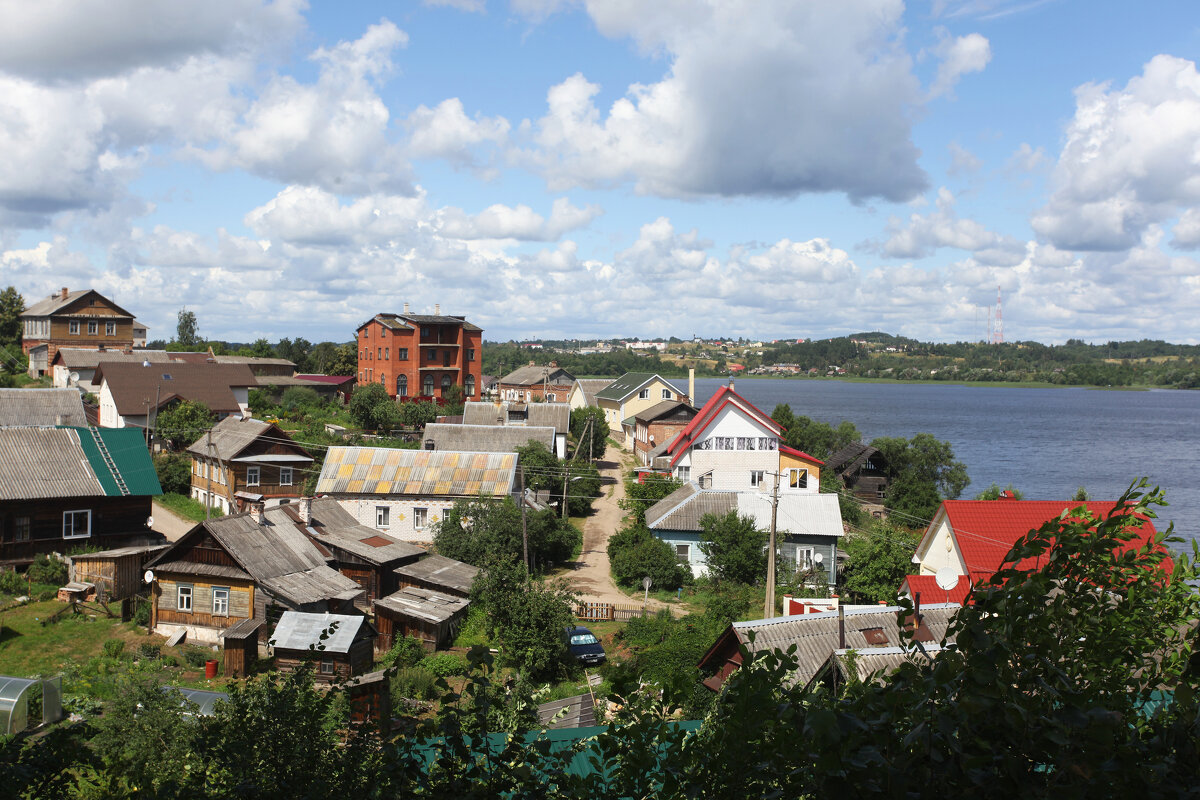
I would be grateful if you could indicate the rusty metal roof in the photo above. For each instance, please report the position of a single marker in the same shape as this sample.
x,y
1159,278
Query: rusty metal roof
x,y
416,473
29,407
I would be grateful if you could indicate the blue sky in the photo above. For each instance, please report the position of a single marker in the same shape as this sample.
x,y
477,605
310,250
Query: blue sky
x,y
571,168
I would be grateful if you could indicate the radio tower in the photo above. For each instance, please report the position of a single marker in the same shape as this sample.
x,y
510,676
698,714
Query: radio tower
x,y
998,327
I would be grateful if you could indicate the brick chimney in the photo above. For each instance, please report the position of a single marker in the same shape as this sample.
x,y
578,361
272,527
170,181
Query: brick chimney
x,y
406,308
64,293
437,309
256,513
304,509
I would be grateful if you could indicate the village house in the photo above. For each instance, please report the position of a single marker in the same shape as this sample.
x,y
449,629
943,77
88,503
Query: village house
x,y
534,383
629,394
62,488
524,415
76,366
485,438
133,394
337,646
863,470
808,526
404,493
245,460
82,318
583,392
420,355
656,426
249,566
438,574
23,408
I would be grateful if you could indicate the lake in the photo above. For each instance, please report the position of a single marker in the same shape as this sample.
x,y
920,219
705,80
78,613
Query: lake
x,y
1045,442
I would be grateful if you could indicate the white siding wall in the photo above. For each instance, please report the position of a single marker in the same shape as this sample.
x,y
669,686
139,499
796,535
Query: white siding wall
x,y
108,409
731,468
400,515
941,552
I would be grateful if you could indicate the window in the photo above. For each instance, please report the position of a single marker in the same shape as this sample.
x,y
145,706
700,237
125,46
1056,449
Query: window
x,y
683,473
798,478
383,516
77,524
383,379
804,558
445,384
427,387
252,474
470,386
756,478
73,327
402,354
326,667
21,529
379,352
387,353
644,394
431,354
666,394
220,601
682,551
183,597
93,328
426,331
110,329
285,476
420,518
402,384
470,354
551,396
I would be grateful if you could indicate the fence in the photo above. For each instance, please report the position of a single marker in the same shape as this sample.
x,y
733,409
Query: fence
x,y
598,611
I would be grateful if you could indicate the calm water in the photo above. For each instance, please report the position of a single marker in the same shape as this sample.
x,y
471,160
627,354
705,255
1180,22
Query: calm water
x,y
1045,442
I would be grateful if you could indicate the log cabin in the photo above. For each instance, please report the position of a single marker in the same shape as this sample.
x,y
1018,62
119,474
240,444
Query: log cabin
x,y
244,460
338,646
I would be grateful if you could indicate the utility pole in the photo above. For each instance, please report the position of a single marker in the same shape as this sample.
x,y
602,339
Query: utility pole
x,y
591,435
566,482
769,605
157,396
208,473
524,527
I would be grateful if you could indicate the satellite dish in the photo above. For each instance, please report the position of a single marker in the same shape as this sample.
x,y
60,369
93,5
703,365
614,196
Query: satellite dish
x,y
73,378
149,576
149,522
946,578
646,583
146,362
818,558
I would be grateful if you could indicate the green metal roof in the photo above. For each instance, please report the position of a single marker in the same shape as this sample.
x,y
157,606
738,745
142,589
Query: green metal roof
x,y
127,448
626,385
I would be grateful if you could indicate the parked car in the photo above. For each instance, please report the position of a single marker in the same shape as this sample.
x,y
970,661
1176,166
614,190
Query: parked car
x,y
584,646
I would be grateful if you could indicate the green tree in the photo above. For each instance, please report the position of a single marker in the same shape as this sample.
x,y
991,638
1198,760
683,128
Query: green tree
x,y
734,548
174,472
641,496
295,351
815,438
418,414
481,531
590,430
345,362
183,423
1081,495
584,487
850,507
636,553
923,472
363,402
877,561
541,467
186,330
994,492
454,397
12,304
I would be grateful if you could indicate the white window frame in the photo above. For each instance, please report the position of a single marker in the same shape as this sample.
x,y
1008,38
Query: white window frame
x,y
420,518
683,473
797,478
220,601
383,517
253,476
327,666
183,597
110,329
71,515
756,478
644,394
73,327
666,394
285,476
93,327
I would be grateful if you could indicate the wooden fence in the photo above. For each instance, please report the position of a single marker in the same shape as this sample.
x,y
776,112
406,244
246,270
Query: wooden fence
x,y
598,611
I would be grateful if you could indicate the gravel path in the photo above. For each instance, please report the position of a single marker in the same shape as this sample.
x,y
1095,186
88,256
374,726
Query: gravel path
x,y
169,525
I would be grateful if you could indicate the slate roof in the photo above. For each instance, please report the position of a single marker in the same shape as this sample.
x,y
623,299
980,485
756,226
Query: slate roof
x,y
335,526
485,438
590,386
440,570
252,361
211,384
423,604
660,410
233,434
683,508
538,415
626,385
88,357
418,473
799,513
20,407
43,463
56,302
882,660
577,712
533,374
300,630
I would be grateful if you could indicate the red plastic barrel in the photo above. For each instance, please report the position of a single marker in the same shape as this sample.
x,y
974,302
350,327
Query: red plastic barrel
x,y
210,669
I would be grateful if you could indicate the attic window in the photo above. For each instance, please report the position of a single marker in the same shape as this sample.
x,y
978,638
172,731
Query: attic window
x,y
874,636
167,376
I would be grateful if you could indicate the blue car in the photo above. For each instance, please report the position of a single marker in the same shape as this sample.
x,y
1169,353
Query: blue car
x,y
584,646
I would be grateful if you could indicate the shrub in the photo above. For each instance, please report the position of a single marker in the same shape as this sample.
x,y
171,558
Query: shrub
x,y
47,594
113,648
300,397
11,582
174,472
47,570
443,665
649,556
141,614
414,683
148,650
195,657
406,652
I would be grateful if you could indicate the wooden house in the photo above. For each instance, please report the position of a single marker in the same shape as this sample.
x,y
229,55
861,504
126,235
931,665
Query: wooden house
x,y
82,318
338,646
438,574
432,617
245,460
863,470
65,487
251,565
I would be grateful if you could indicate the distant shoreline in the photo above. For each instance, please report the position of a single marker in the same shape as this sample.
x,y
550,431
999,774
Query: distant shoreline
x,y
982,384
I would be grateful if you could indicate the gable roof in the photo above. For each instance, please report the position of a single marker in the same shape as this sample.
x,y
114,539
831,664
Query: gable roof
x,y
588,388
486,438
44,463
723,397
298,630
926,586
662,409
89,357
441,571
56,302
211,384
533,374
41,407
418,473
985,530
798,513
233,434
683,508
334,526
850,458
626,385
791,451
547,415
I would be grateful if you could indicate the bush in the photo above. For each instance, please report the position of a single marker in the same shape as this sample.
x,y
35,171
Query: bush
x,y
11,582
47,570
113,648
414,683
406,652
47,594
148,650
141,614
300,397
444,665
647,556
195,657
174,472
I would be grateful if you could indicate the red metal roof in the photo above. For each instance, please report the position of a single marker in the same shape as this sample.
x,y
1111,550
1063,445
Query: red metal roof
x,y
783,448
723,397
932,593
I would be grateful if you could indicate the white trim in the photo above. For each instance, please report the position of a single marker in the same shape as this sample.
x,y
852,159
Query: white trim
x,y
72,514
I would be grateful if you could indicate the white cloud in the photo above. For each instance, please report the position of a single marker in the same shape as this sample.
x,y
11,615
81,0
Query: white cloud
x,y
1130,159
1187,230
520,222
446,131
924,234
749,106
959,56
309,216
962,160
478,6
1026,158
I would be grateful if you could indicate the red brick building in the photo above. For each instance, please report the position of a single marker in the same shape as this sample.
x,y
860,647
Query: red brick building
x,y
420,355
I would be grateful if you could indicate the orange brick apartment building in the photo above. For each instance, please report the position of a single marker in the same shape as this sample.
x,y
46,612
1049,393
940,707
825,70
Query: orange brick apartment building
x,y
420,355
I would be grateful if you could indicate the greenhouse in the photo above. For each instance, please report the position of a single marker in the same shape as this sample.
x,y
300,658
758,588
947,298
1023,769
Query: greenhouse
x,y
206,701
15,694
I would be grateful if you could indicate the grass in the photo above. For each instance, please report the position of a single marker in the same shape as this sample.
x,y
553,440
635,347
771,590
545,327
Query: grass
x,y
29,648
183,506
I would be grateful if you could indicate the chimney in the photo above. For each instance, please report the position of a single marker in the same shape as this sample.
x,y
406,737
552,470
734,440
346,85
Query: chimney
x,y
406,308
731,383
256,513
841,627
553,365
692,385
532,363
304,509
437,309
64,293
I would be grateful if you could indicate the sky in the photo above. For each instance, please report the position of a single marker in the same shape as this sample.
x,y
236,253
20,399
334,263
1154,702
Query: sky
x,y
610,168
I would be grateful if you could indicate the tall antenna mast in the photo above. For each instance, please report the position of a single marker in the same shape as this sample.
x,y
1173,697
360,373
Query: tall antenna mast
x,y
998,330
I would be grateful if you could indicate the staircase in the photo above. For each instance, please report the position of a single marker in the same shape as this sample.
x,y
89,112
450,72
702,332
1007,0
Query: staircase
x,y
108,461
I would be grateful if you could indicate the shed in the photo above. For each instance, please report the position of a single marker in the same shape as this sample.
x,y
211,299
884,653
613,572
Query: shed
x,y
439,574
116,573
371,699
339,644
14,702
432,617
241,647
570,712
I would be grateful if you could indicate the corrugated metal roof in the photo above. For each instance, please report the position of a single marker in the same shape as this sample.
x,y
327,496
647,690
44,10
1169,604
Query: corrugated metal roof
x,y
333,525
881,660
590,386
298,630
423,604
576,712
533,374
130,458
416,473
254,361
682,509
486,438
533,415
441,571
90,357
662,409
133,385
29,407
800,513
626,385
38,463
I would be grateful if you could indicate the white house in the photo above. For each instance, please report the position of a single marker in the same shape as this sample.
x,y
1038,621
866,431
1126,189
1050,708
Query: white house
x,y
134,393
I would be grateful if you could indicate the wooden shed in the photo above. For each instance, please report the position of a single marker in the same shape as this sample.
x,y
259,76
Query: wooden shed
x,y
240,641
371,700
116,573
432,617
438,574
345,650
